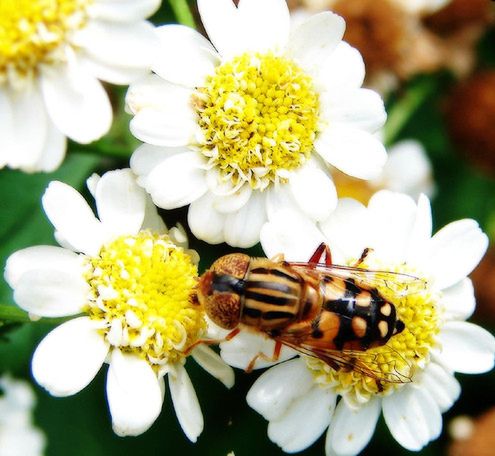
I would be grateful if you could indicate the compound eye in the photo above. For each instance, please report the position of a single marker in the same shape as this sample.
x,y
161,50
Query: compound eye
x,y
224,309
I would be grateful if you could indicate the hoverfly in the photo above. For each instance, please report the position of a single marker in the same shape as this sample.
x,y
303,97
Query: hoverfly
x,y
331,312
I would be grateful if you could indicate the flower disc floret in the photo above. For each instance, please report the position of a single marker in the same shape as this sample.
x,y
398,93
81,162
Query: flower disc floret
x,y
31,30
259,117
140,290
394,363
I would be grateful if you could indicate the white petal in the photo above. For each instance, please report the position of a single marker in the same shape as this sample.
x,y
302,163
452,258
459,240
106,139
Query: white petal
x,y
152,220
361,108
234,201
314,192
242,228
270,19
221,21
421,231
146,157
186,403
204,221
133,392
305,420
392,217
6,126
454,251
160,95
164,128
466,347
458,300
126,45
123,10
351,430
353,151
69,357
280,198
283,235
412,417
52,293
53,151
214,365
344,69
272,395
343,230
104,71
177,181
189,60
243,348
76,102
41,257
120,202
24,128
72,217
315,39
442,386
408,169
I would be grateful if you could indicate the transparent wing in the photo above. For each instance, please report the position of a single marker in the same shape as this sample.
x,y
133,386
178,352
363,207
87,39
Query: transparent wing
x,y
365,362
384,364
399,283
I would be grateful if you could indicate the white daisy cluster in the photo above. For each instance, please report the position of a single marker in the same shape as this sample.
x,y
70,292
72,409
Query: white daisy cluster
x,y
18,435
250,123
251,131
128,282
52,55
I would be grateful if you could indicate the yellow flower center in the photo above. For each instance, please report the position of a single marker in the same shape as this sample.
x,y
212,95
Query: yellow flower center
x,y
259,118
401,356
140,290
32,30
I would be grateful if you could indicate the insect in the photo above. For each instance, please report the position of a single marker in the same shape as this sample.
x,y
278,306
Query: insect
x,y
331,312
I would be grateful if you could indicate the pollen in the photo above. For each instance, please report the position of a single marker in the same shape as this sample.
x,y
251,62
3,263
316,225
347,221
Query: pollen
x,y
33,32
141,288
393,364
258,114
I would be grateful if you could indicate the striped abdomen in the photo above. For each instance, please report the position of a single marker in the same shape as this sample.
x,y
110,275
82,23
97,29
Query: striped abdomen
x,y
275,295
366,319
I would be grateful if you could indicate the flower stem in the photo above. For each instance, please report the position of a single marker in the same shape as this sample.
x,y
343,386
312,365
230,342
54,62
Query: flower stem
x,y
183,13
405,107
12,314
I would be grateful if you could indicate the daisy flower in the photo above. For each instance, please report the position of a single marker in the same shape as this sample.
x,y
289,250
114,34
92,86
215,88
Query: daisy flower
x,y
435,343
18,436
52,53
249,122
128,281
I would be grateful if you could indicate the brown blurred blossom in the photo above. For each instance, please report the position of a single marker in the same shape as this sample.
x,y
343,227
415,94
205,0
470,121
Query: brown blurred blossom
x,y
459,14
460,25
471,120
400,38
480,442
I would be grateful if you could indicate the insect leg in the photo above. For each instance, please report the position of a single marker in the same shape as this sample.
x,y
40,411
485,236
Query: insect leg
x,y
363,256
278,258
321,250
228,337
260,355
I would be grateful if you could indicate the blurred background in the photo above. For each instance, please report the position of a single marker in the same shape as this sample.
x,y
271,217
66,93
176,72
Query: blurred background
x,y
436,71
